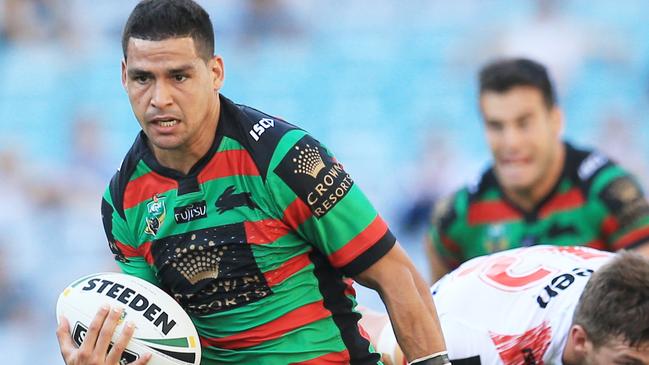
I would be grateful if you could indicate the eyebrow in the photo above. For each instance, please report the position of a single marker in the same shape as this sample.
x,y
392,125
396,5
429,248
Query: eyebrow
x,y
136,72
181,69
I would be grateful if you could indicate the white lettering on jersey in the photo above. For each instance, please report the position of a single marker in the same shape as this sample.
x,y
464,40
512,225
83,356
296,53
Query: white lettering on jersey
x,y
260,127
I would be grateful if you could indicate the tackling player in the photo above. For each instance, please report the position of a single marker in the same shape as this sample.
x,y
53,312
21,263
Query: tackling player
x,y
548,305
540,189
246,220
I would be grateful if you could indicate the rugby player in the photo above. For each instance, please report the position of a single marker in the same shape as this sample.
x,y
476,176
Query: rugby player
x,y
539,189
551,305
246,220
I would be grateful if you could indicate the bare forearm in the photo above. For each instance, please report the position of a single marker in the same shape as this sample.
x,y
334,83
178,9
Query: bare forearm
x,y
409,304
414,320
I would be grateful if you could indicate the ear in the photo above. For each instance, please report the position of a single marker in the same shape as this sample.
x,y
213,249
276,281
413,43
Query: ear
x,y
578,343
218,72
124,73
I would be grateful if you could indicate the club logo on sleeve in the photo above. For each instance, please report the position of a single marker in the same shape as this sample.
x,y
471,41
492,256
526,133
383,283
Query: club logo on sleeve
x,y
156,213
316,178
625,200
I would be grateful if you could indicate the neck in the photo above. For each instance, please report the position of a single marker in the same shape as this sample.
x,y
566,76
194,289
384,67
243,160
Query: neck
x,y
527,199
182,159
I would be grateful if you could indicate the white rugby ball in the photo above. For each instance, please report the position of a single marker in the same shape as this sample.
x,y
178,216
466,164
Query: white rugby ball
x,y
162,327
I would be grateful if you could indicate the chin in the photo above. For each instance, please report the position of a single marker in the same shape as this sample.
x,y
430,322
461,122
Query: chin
x,y
165,143
515,181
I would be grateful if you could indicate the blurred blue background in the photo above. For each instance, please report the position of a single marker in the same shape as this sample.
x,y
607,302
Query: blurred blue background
x,y
389,86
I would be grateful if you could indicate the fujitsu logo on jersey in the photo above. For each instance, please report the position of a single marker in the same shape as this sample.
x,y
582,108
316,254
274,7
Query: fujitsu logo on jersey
x,y
190,212
260,127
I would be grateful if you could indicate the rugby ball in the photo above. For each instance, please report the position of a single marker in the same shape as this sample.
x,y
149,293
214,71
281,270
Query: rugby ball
x,y
162,327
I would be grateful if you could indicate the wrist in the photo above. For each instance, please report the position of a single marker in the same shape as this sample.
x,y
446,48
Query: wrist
x,y
438,358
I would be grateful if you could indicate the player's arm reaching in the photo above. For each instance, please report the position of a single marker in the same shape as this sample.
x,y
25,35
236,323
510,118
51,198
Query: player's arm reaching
x,y
409,304
329,211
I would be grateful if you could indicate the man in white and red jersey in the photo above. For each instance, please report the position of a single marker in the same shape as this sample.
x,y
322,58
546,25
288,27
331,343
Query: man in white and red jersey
x,y
539,305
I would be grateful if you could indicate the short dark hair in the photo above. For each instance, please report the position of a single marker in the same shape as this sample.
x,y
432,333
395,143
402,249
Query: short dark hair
x,y
615,302
157,20
504,74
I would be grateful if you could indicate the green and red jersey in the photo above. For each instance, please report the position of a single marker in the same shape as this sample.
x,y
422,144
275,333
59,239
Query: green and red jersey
x,y
256,242
594,203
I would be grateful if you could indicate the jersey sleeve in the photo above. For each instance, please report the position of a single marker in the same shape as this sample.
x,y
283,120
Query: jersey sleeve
x,y
444,215
626,211
121,243
318,199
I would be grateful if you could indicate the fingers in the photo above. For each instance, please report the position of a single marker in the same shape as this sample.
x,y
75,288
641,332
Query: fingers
x,y
143,360
93,330
107,330
64,337
118,348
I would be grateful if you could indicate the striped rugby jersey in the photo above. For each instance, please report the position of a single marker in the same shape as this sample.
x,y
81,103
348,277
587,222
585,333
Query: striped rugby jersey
x,y
256,242
595,203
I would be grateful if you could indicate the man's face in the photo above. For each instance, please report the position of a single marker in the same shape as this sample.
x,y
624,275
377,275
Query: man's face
x,y
616,353
173,92
524,136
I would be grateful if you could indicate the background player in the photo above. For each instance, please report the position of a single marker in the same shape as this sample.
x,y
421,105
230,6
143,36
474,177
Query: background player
x,y
248,221
540,305
539,189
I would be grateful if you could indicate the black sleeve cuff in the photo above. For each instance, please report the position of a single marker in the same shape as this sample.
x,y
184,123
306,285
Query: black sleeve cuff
x,y
370,256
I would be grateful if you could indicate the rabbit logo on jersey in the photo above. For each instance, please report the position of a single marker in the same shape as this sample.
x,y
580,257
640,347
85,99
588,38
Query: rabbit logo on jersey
x,y
317,178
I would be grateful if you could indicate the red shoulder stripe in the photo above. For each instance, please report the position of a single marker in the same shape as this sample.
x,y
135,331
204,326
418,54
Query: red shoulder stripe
x,y
571,199
491,212
228,163
274,329
359,244
145,187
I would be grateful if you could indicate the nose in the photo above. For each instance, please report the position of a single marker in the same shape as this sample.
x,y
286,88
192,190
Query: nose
x,y
512,138
161,97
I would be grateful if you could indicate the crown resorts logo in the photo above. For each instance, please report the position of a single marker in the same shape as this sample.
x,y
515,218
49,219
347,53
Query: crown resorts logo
x,y
315,176
308,161
156,212
197,262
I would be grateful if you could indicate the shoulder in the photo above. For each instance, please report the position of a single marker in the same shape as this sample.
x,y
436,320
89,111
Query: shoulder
x,y
119,181
482,183
259,133
589,166
453,208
